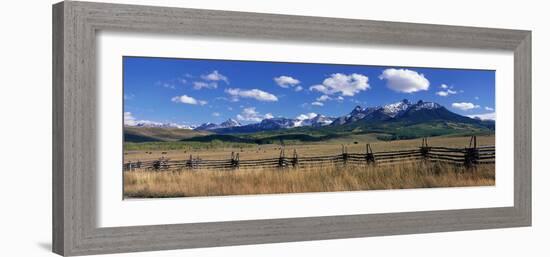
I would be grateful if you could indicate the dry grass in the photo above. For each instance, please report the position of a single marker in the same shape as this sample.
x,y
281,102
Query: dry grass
x,y
145,184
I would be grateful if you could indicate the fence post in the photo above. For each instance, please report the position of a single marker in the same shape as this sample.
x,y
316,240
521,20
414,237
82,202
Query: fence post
x,y
237,160
282,158
345,154
189,163
471,155
473,141
295,158
196,162
370,155
130,166
157,165
425,149
234,160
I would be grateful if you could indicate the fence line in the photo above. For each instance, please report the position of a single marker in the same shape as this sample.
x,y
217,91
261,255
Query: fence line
x,y
469,157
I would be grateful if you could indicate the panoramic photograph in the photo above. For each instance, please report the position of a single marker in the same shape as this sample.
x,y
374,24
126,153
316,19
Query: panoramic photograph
x,y
199,127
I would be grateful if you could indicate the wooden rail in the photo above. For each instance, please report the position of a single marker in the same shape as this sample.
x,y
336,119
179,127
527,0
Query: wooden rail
x,y
469,157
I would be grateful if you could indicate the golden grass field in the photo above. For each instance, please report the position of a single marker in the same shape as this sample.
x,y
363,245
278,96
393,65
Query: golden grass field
x,y
329,147
151,184
188,183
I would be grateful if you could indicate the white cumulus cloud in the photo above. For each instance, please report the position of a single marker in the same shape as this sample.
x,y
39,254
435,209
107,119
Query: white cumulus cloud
x,y
446,93
306,116
487,108
448,90
286,81
317,104
208,85
347,85
257,94
323,98
185,99
129,119
404,80
215,76
216,114
484,116
250,114
464,106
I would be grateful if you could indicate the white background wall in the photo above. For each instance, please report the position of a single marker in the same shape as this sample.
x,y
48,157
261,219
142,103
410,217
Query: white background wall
x,y
25,127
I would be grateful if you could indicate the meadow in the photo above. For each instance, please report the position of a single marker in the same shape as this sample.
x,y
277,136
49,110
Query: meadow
x,y
143,183
186,183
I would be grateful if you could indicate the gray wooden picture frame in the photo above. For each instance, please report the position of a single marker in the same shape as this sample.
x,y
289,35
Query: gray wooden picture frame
x,y
75,25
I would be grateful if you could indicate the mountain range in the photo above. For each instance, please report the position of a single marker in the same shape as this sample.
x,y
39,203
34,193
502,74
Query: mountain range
x,y
212,126
152,124
403,112
400,120
233,126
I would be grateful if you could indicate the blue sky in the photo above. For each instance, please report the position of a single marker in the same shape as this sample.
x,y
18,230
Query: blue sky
x,y
191,91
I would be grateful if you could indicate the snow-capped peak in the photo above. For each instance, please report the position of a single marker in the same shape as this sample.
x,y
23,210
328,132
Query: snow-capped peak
x,y
357,109
395,109
277,123
312,119
321,120
226,124
230,123
426,105
306,116
154,124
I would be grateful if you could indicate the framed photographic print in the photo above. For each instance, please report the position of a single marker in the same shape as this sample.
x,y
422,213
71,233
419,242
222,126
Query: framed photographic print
x,y
202,136
182,128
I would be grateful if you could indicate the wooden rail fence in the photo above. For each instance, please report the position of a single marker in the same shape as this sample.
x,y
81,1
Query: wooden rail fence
x,y
469,157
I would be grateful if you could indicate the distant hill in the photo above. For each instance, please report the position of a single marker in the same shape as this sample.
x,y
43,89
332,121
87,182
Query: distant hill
x,y
275,138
